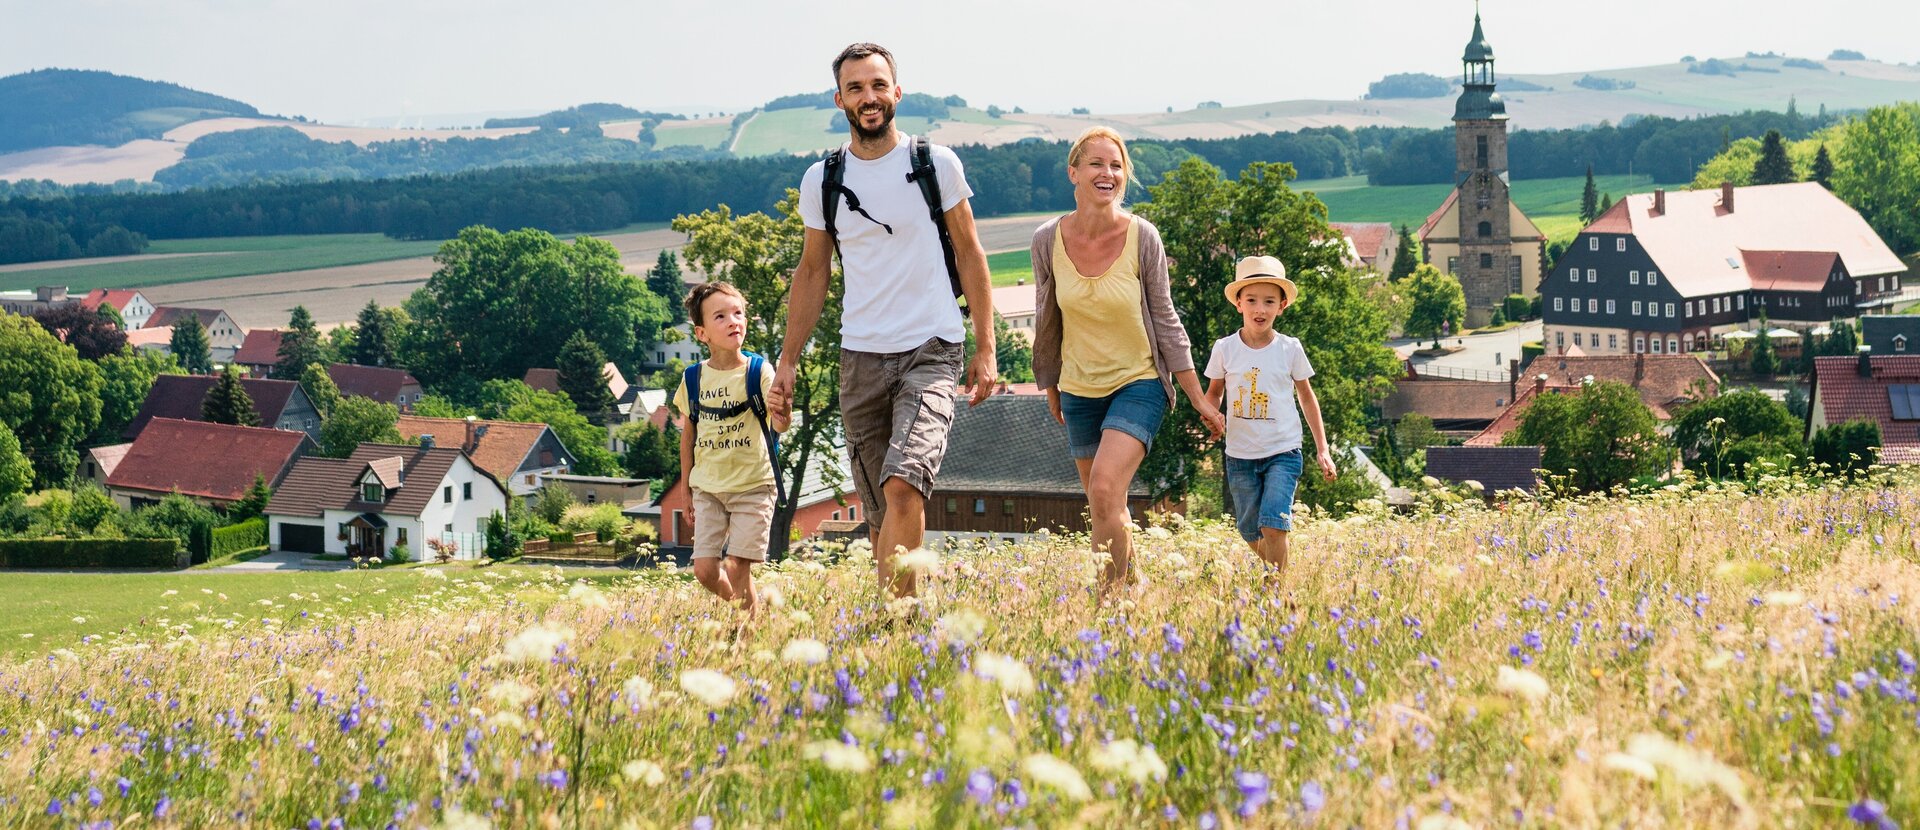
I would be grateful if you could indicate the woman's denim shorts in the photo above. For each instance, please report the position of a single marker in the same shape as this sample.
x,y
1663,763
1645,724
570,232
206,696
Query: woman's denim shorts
x,y
1263,491
1136,409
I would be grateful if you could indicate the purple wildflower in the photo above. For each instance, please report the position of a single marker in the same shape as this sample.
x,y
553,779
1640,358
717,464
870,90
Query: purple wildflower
x,y
980,785
1872,814
1313,796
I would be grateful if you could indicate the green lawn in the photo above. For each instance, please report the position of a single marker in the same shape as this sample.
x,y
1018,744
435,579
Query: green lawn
x,y
1009,267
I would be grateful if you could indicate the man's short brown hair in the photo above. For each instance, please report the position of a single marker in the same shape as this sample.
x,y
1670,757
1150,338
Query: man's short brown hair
x,y
698,297
862,51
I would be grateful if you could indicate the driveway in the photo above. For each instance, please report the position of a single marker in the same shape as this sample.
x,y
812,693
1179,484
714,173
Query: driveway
x,y
281,560
1482,356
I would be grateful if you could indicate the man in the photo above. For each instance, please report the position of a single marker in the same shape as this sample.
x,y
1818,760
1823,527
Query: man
x,y
901,331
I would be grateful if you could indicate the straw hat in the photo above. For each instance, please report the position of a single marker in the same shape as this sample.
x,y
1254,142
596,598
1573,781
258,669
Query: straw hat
x,y
1261,269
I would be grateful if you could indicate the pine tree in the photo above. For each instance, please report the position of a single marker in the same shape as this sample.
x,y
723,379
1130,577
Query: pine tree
x,y
299,345
1606,203
320,388
189,344
1406,256
228,403
1764,362
1773,167
372,342
1793,108
665,280
583,377
1589,200
1822,170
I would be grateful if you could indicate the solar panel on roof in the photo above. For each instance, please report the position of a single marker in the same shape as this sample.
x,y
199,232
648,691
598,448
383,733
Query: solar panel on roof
x,y
1905,398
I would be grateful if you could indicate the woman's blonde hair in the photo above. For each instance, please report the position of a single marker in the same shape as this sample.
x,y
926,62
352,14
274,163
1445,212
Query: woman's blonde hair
x,y
1079,149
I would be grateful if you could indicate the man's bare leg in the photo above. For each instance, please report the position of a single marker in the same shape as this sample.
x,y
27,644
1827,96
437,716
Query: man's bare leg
x,y
739,575
712,577
905,529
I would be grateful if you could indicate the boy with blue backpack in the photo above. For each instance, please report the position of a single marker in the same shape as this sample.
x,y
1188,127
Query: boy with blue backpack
x,y
729,447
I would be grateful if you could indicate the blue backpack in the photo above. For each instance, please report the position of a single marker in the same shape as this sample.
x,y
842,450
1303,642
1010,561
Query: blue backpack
x,y
756,402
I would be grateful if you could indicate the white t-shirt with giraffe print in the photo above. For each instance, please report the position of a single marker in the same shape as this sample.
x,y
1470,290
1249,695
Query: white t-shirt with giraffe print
x,y
1261,418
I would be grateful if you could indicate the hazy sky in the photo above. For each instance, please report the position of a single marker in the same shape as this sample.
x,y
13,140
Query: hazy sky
x,y
340,60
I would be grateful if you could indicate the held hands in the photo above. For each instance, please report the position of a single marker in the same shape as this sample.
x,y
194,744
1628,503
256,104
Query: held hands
x,y
780,397
1210,415
982,372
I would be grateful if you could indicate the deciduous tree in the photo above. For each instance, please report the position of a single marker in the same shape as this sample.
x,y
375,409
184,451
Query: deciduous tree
x,y
16,473
320,388
126,378
1725,435
1600,437
90,333
50,399
1436,302
357,421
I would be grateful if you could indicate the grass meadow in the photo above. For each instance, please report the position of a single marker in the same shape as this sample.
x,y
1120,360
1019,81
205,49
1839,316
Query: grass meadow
x,y
1553,204
217,257
1696,657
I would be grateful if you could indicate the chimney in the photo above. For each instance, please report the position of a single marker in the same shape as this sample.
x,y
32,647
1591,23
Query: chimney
x,y
1639,368
1513,378
1726,196
1866,362
1659,201
1539,383
469,443
426,441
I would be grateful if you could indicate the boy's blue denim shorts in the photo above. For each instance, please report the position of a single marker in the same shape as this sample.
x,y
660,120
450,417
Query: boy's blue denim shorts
x,y
1136,409
1263,491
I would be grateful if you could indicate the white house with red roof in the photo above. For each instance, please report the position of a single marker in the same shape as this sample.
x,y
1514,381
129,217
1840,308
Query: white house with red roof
x,y
133,307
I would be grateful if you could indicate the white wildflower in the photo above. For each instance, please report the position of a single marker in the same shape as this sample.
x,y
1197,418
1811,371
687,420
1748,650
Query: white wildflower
x,y
1441,821
1718,661
711,626
762,656
644,772
800,617
588,596
1521,683
918,560
1159,533
1056,774
1128,758
457,819
1623,763
1785,598
961,626
537,644
1689,766
709,686
803,650
169,592
637,691
430,573
839,757
1009,672
510,693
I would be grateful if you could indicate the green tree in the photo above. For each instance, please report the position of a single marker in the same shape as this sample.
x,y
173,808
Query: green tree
x,y
336,344
300,345
435,406
1842,342
50,400
1207,223
1437,301
1726,435
1600,437
1606,204
1846,449
228,402
1823,168
89,333
373,337
666,282
190,346
1406,255
320,388
1773,166
357,421
126,378
669,377
501,303
758,253
1877,171
1014,353
512,400
1762,361
652,453
552,502
1589,200
92,507
582,368
176,516
253,505
16,472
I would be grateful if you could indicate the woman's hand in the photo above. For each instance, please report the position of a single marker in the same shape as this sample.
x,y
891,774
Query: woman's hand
x,y
1210,415
1053,406
1326,466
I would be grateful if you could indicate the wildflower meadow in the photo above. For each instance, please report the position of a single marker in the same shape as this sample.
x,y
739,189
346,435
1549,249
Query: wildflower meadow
x,y
1703,656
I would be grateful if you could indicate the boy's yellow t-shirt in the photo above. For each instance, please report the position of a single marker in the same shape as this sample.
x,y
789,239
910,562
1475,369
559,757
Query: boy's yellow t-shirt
x,y
729,454
1104,341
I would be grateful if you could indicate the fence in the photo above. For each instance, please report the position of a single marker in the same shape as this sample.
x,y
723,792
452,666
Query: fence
x,y
1430,370
468,546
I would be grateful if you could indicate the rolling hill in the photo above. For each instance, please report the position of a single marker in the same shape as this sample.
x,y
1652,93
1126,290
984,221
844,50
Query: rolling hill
x,y
69,107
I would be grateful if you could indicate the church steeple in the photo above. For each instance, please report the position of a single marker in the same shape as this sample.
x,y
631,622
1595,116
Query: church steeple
x,y
1478,101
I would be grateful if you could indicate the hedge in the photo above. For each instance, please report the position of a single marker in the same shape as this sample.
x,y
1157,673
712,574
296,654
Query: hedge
x,y
232,539
91,553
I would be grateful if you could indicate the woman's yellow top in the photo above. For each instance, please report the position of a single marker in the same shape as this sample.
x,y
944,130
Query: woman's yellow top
x,y
1103,344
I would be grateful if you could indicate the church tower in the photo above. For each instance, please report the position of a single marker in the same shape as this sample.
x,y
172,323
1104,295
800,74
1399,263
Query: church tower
x,y
1488,268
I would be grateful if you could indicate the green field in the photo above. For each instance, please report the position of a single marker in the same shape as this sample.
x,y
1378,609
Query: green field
x,y
1553,204
802,131
682,134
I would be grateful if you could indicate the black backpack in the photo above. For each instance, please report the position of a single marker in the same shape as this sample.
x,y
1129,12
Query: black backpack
x,y
833,187
755,402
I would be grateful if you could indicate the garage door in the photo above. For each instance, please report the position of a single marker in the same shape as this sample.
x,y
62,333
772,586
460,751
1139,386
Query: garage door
x,y
303,538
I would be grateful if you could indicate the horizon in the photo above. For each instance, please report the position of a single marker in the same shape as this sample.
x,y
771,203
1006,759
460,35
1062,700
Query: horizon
x,y
433,64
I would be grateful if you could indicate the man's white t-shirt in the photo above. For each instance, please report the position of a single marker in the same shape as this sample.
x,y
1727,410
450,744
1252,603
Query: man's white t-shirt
x,y
898,296
1259,404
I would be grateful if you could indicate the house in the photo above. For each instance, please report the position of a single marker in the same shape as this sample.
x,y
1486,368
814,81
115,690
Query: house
x,y
385,496
1371,245
29,303
224,336
1887,334
213,464
675,343
1677,272
1458,408
133,307
1016,304
101,461
151,339
635,406
517,455
1665,382
1881,389
592,490
386,385
1007,475
281,404
259,352
825,494
1478,233
1495,468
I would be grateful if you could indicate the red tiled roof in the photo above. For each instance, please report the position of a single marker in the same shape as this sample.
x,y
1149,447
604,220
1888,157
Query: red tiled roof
x,y
1368,238
1789,270
261,348
1616,219
545,380
1661,379
1845,396
1434,217
1446,400
1015,300
211,461
377,382
115,297
167,315
181,396
500,452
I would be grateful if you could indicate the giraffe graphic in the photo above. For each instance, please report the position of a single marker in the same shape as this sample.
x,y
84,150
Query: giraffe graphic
x,y
1257,404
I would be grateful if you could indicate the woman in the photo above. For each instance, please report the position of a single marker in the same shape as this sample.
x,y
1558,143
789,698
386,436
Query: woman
x,y
1108,347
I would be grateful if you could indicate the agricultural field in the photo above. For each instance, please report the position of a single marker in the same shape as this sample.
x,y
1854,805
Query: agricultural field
x,y
187,260
1697,657
801,132
1553,204
707,132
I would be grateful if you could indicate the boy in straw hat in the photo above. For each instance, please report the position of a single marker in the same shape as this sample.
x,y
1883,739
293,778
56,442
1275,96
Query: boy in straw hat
x,y
1265,371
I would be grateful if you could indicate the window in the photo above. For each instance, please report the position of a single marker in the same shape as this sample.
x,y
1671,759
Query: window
x,y
466,493
1689,308
401,535
371,491
659,357
1883,284
343,530
1486,261
1486,229
1480,151
1656,346
1006,507
1636,308
1613,340
530,479
836,515
309,423
1620,245
953,505
1593,275
676,527
1609,306
1593,243
593,496
1633,277
1593,306
1639,343
446,494
979,507
1899,342
401,400
1653,277
449,528
1669,310
1573,275
1453,265
1741,301
1716,305
1560,339
853,513
1557,304
1673,346
1576,338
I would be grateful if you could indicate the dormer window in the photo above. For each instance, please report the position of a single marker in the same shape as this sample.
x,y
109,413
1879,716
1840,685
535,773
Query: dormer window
x,y
372,492
1899,342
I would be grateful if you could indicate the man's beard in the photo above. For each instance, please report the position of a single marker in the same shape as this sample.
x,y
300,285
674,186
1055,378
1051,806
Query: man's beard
x,y
860,131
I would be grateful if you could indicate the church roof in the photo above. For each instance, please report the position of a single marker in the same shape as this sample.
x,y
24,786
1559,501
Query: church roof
x,y
1478,49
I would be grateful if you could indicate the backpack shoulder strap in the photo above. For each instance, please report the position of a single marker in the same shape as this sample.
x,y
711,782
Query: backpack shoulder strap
x,y
924,175
690,384
832,183
757,403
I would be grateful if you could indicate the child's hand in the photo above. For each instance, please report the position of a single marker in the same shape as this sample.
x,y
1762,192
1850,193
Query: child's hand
x,y
1326,466
1210,415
